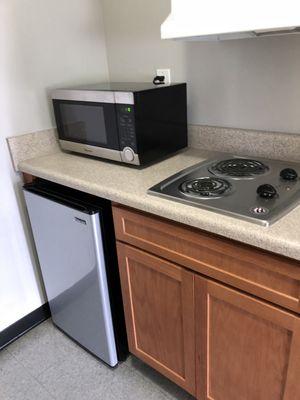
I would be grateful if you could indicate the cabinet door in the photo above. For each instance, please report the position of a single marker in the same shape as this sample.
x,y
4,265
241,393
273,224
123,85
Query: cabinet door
x,y
245,349
158,299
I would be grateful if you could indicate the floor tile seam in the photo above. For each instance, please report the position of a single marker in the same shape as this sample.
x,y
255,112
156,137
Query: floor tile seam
x,y
26,370
43,386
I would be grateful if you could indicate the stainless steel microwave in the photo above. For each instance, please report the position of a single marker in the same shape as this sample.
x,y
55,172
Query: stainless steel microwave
x,y
134,123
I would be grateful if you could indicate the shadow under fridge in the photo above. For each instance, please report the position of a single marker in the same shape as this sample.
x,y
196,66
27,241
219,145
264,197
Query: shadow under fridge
x,y
74,238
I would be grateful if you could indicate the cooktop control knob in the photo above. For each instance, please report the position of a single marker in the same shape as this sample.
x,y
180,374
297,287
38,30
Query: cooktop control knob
x,y
288,174
128,154
266,191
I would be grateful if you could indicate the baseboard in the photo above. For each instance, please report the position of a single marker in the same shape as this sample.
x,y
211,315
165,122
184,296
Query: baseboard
x,y
22,326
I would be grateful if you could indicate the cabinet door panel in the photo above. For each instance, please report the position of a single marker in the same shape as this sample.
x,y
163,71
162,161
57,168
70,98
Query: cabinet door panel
x,y
246,349
159,309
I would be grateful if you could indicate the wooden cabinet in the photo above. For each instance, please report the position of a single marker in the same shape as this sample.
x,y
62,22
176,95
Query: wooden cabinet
x,y
263,274
159,310
246,349
199,310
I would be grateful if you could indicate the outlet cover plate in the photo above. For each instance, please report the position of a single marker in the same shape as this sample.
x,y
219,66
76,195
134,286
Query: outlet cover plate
x,y
166,73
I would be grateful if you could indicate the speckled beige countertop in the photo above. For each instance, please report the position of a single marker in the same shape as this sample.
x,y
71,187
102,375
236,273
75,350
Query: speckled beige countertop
x,y
128,186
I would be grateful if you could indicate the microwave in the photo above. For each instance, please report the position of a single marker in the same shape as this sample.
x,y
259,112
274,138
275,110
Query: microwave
x,y
133,123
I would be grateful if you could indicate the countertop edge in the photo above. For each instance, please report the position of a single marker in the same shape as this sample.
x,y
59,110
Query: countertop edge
x,y
291,251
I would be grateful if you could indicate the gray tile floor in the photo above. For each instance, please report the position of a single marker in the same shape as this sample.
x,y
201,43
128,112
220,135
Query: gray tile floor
x,y
44,364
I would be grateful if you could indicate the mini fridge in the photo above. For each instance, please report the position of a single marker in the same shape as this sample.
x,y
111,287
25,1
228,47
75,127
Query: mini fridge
x,y
75,243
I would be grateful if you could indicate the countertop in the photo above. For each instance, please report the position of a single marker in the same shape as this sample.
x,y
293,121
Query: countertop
x,y
128,186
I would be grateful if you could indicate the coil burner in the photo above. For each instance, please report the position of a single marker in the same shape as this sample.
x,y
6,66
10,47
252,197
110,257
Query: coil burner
x,y
239,168
207,187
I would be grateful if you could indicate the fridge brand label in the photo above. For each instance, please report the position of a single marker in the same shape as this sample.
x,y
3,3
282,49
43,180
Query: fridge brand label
x,y
81,221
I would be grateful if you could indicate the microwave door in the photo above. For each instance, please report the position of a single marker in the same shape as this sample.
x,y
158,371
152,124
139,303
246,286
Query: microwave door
x,y
88,127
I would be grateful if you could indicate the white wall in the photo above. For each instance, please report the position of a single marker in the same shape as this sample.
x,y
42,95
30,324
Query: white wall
x,y
253,83
43,45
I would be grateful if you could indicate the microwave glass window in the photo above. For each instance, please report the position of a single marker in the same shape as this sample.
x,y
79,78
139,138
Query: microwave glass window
x,y
85,123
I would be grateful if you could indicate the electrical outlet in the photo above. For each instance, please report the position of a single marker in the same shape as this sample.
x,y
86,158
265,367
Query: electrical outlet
x,y
166,73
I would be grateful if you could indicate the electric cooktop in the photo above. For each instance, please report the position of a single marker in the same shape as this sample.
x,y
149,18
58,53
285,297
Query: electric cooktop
x,y
254,189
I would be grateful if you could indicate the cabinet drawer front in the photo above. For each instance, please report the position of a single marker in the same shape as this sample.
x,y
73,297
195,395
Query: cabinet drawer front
x,y
246,349
266,275
159,311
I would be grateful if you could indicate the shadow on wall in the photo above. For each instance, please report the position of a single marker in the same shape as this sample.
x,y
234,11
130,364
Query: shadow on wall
x,y
41,48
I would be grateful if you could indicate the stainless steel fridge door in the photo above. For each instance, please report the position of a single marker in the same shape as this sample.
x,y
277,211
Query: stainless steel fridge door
x,y
70,251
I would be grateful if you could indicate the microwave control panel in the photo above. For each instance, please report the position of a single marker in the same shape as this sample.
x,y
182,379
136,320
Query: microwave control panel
x,y
126,124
